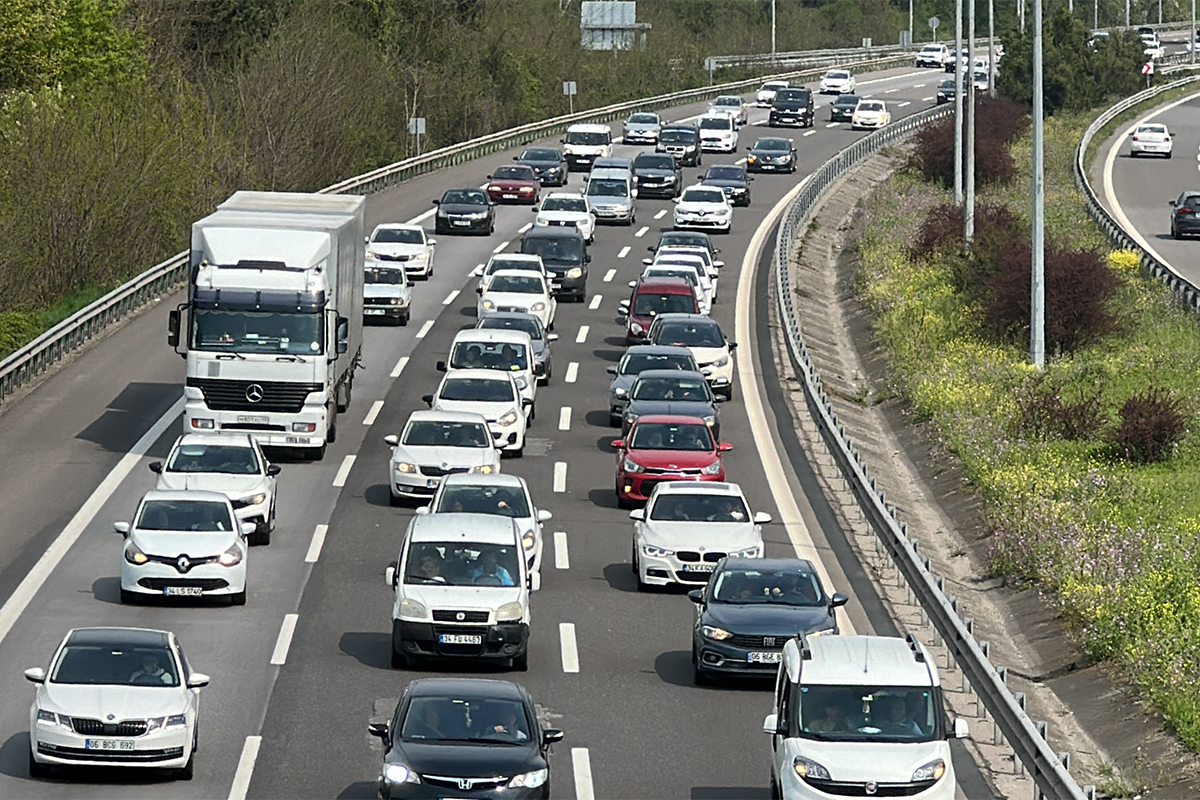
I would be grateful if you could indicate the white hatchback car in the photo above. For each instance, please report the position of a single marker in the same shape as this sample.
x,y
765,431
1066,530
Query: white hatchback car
x,y
522,261
492,394
729,104
766,95
408,244
519,291
567,209
870,114
232,464
703,208
184,544
718,133
435,444
115,697
838,81
689,526
1150,138
703,337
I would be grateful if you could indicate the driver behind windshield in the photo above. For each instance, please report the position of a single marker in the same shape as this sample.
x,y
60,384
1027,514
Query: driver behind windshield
x,y
488,571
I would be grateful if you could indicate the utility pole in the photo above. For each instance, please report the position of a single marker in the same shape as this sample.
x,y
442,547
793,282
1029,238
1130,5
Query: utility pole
x,y
773,29
958,105
1192,45
910,22
1126,13
992,48
1037,325
969,209
1096,15
1021,11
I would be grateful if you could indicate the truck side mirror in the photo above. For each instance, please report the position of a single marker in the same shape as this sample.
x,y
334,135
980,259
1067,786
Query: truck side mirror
x,y
343,335
173,328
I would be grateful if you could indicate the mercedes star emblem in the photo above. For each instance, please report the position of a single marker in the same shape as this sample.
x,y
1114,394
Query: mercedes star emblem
x,y
254,393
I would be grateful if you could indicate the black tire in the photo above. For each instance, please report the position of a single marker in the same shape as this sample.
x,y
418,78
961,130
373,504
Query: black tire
x,y
393,500
521,663
621,501
188,771
398,659
331,431
316,453
129,598
699,676
238,598
261,536
403,321
1174,233
518,453
348,395
38,770
633,560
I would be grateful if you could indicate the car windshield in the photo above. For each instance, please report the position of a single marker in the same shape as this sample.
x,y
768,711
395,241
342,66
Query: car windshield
x,y
725,174
644,118
865,106
398,236
565,204
602,187
391,276
654,161
728,100
716,124
772,144
783,587
661,272
677,136
852,99
517,284
433,720
587,137
837,75
430,433
670,389
467,197
498,263
638,363
184,515
504,501
514,173
685,239
489,355
671,436
772,86
477,389
690,334
1161,129
792,95
528,324
540,154
462,564
646,305
554,248
870,713
226,458
114,665
703,196
699,508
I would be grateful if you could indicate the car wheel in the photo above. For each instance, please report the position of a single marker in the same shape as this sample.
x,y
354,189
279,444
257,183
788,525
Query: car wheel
x,y
331,431
398,659
729,392
261,536
521,663
621,501
395,500
775,795
699,676
404,320
129,598
189,769
38,769
518,453
1168,155
633,558
238,598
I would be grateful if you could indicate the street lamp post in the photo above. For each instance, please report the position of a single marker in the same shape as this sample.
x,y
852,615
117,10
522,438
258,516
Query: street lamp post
x,y
958,105
1037,323
969,208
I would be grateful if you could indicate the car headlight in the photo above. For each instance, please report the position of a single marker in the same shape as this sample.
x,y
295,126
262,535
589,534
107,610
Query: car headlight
x,y
405,468
751,159
933,771
484,469
827,631
370,254
631,418
508,419
231,557
253,499
629,465
529,539
714,468
522,382
411,609
529,780
398,773
712,632
618,391
538,306
45,717
134,555
807,768
573,273
657,552
488,304
509,612
710,420
477,215
749,552
173,721
723,361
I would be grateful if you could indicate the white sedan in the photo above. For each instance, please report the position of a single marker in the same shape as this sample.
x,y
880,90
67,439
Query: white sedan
x,y
567,209
870,114
435,444
527,262
687,527
730,104
494,395
520,291
408,244
703,208
838,81
1150,138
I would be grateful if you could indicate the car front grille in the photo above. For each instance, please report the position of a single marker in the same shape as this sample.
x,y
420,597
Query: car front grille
x,y
465,784
223,395
759,642
847,789
379,301
95,727
693,556
655,471
204,584
383,257
191,563
440,472
446,615
116,756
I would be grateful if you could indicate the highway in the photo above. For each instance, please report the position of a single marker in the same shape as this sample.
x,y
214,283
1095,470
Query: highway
x,y
608,665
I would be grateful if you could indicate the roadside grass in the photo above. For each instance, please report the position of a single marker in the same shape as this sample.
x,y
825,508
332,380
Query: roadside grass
x,y
19,328
1118,544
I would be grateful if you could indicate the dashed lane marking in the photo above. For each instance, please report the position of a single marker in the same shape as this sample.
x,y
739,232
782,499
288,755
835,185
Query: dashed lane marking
x,y
662,213
450,297
641,231
905,103
424,329
525,227
400,365
560,476
500,248
314,547
581,337
339,480
809,133
572,372
561,559
564,418
608,276
596,299
570,651
284,642
376,407
581,768
245,767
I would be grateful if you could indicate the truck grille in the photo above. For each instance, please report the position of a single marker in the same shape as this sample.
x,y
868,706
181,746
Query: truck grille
x,y
94,727
223,395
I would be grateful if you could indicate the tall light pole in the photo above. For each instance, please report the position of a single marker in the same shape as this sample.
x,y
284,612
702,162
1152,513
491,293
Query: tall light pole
x,y
958,105
1096,15
1126,13
1037,323
1192,44
969,208
1021,11
773,30
910,22
992,48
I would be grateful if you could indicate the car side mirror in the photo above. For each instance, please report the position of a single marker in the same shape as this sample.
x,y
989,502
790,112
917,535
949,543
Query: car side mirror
x,y
962,728
440,366
761,518
198,680
647,261
121,528
732,345
526,402
156,467
534,210
611,369
718,264
35,675
638,514
427,399
366,240
437,202
273,470
410,284
696,596
378,730
544,516
391,440
724,447
552,337
1171,203
618,444
390,575
489,177
478,290
431,242
771,725
633,284
838,600
422,510
587,258
247,528
534,581
551,735
720,399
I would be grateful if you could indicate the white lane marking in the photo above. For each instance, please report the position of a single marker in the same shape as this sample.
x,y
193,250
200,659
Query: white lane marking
x,y
926,99
339,480
400,365
284,642
525,227
608,276
918,86
789,510
892,78
581,767
477,271
560,476
21,597
564,419
905,103
424,329
561,559
500,247
572,372
419,218
245,768
759,122
662,213
450,297
890,91
739,161
592,306
809,133
376,407
570,652
581,337
641,232
832,124
314,547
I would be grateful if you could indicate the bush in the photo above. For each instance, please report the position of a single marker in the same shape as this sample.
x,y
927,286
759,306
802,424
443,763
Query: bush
x,y
1152,423
997,122
16,330
1046,414
941,232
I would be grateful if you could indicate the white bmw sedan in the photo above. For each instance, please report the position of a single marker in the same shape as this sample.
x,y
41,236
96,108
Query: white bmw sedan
x,y
703,208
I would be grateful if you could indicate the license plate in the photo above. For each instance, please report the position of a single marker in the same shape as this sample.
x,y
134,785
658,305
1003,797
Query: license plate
x,y
107,744
254,420
461,223
509,196
698,567
460,638
296,439
181,591
373,312
763,658
554,285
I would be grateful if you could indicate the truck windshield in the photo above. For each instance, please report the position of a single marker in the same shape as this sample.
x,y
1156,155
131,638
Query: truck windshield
x,y
870,713
222,331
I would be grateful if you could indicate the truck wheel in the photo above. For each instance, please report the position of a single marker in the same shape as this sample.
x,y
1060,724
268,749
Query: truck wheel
x,y
331,431
343,395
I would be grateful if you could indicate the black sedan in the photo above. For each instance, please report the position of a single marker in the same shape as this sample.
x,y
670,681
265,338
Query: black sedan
x,y
685,239
548,163
465,211
464,737
1185,214
842,108
657,175
671,391
945,91
732,180
750,608
771,154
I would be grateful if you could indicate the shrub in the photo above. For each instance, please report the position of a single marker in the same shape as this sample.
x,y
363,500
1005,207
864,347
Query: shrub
x,y
934,155
1045,413
941,232
1000,118
16,329
1151,423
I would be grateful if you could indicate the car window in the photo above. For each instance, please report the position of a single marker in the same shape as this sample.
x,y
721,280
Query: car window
x,y
677,136
433,433
510,356
587,137
837,74
716,123
517,284
602,187
643,117
114,665
554,248
477,390
184,515
385,275
852,99
469,197
504,501
565,204
540,154
653,161
726,173
448,719
682,389
528,324
647,304
671,436
699,508
398,236
788,587
1147,128
870,106
869,713
230,459
640,362
514,173
772,144
703,196
462,564
690,334
659,272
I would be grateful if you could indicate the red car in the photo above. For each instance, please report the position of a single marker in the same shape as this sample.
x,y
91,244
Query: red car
x,y
651,297
514,184
666,447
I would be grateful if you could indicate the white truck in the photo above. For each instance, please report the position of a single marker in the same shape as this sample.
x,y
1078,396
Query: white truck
x,y
274,317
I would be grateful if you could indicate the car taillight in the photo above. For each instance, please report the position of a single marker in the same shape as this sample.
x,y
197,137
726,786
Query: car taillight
x,y
1185,210
1135,137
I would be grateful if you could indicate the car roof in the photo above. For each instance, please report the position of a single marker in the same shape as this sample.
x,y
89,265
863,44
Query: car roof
x,y
466,687
227,439
503,315
491,335
553,232
478,374
462,527
618,173
558,196
679,316
514,273
671,419
762,139
663,284
433,415
721,488
398,226
479,479
860,660
589,127
673,374
177,495
107,637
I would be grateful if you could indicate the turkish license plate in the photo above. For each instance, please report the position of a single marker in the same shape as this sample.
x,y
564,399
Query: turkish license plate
x,y
698,567
182,591
763,658
253,420
555,285
107,744
373,312
460,638
462,223
509,196
296,439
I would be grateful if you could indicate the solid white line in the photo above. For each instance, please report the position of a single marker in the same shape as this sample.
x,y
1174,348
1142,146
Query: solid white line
x,y
560,476
561,559
500,247
905,103
245,768
581,337
284,642
525,227
662,213
641,232
343,472
581,766
21,597
376,407
314,547
892,77
608,276
809,133
596,299
424,329
419,218
564,419
450,297
400,365
570,652
832,124
572,372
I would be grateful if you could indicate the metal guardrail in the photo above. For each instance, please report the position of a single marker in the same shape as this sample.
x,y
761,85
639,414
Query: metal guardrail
x,y
1048,769
32,360
830,57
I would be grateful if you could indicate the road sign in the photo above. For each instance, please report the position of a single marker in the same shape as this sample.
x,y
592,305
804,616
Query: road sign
x,y
1148,68
933,23
569,88
416,126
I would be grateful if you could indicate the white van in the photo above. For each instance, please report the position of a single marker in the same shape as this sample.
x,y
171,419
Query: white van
x,y
584,143
462,590
503,349
611,194
857,715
